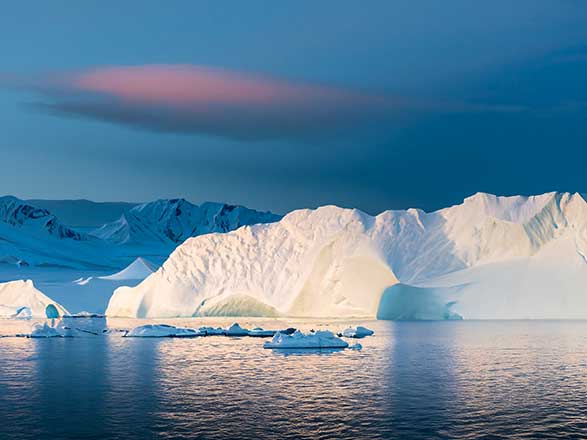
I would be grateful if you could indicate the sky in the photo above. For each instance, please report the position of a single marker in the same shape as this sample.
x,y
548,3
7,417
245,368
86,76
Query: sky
x,y
282,105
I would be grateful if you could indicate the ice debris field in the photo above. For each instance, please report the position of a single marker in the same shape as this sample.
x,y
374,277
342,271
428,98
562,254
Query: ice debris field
x,y
290,338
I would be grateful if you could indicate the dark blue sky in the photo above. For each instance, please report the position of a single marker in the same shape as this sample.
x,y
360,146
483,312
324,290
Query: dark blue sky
x,y
380,104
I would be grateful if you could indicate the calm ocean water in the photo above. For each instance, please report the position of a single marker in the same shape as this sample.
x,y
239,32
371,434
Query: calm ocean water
x,y
426,380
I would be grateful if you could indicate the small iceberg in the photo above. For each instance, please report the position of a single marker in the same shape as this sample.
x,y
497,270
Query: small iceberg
x,y
139,269
357,332
318,339
236,330
258,332
161,331
356,346
44,331
211,331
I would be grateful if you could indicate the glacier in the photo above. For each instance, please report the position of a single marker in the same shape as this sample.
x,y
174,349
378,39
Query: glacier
x,y
488,257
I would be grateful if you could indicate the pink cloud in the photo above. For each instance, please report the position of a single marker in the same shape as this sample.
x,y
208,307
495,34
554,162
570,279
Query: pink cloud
x,y
196,99
186,85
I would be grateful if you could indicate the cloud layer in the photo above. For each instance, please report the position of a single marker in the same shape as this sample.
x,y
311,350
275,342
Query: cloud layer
x,y
193,99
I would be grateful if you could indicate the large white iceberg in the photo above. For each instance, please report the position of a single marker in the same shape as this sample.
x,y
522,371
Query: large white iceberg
x,y
490,257
312,340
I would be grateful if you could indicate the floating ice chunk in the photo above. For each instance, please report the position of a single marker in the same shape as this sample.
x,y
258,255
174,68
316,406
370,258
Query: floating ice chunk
x,y
211,331
161,331
236,330
357,332
319,339
258,332
84,314
356,346
44,331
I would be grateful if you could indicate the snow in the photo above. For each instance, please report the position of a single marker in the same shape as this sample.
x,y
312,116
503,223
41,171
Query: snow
x,y
15,295
357,332
312,340
137,270
161,331
489,257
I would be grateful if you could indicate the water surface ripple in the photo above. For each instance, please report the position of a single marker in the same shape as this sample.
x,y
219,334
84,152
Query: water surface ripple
x,y
428,380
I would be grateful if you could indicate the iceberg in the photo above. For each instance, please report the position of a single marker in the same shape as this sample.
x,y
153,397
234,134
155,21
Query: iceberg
x,y
357,332
137,270
23,297
161,331
312,340
489,257
236,330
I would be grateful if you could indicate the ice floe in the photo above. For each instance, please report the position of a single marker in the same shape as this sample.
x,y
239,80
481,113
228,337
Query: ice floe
x,y
161,331
312,340
258,332
357,332
211,331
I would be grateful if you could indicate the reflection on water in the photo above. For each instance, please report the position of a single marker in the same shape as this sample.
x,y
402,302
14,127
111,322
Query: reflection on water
x,y
411,380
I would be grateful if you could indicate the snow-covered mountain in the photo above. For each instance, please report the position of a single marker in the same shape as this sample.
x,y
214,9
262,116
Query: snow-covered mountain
x,y
80,214
170,222
33,236
489,257
21,215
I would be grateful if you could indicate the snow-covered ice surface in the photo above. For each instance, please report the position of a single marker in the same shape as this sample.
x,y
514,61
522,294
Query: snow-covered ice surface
x,y
311,340
489,257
